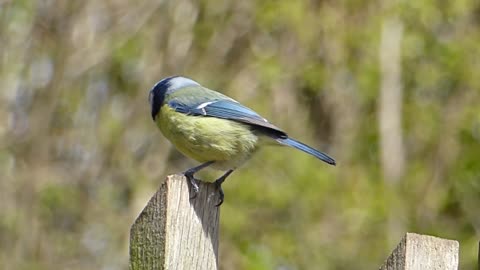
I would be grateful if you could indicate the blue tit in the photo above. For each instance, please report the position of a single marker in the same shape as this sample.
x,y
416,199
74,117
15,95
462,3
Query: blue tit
x,y
214,129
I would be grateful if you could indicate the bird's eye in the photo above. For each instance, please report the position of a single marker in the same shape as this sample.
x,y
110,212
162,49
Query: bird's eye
x,y
150,97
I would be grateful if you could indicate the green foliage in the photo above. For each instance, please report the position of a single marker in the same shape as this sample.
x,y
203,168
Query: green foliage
x,y
80,156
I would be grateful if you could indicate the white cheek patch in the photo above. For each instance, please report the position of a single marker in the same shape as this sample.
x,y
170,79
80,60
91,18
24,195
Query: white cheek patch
x,y
180,82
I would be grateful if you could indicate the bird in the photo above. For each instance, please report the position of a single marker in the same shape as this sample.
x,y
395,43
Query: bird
x,y
214,129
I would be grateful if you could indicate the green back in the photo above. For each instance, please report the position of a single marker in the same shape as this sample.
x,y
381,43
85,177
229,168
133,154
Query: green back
x,y
192,95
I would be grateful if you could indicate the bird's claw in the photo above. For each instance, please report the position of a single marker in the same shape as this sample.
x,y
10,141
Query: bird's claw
x,y
218,183
193,184
221,194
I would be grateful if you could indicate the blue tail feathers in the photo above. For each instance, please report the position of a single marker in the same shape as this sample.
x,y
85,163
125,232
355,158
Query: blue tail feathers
x,y
307,149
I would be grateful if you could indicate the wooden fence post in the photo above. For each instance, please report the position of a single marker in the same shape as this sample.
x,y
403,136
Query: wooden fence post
x,y
174,232
423,252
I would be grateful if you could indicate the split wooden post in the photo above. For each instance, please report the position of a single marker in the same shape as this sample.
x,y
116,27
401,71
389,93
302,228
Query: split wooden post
x,y
423,252
176,232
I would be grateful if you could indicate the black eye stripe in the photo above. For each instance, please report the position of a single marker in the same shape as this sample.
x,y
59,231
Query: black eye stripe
x,y
157,95
164,87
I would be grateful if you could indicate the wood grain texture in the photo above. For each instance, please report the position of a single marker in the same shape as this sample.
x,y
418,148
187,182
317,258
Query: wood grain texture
x,y
423,252
176,232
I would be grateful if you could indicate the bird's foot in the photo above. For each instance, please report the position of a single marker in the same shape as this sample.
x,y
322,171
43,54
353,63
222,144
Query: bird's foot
x,y
218,184
221,194
193,183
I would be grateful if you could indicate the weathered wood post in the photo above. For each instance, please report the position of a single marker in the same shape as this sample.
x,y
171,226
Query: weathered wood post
x,y
176,232
423,252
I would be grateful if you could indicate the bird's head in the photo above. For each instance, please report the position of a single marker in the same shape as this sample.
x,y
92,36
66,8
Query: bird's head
x,y
165,87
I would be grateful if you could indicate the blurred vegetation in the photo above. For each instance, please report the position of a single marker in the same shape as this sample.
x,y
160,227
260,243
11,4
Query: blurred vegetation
x,y
80,155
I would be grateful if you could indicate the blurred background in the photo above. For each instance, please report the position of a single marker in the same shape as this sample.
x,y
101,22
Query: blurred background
x,y
391,90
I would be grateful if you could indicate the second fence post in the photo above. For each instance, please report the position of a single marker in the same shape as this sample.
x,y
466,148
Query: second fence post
x,y
423,252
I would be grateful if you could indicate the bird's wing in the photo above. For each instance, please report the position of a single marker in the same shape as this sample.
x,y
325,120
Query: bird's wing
x,y
228,109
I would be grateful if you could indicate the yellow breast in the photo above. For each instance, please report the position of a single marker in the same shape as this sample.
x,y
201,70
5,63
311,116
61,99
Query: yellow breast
x,y
205,139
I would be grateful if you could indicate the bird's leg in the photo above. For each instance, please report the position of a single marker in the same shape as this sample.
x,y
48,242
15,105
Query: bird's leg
x,y
189,174
218,184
